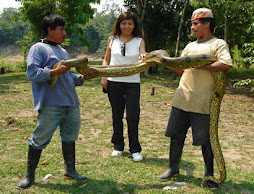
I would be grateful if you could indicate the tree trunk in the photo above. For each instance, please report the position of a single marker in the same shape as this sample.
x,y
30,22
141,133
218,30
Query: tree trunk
x,y
141,10
226,25
180,28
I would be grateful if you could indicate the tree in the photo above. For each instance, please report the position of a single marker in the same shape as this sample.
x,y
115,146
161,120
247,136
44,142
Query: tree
x,y
98,29
76,14
11,29
233,19
180,28
160,22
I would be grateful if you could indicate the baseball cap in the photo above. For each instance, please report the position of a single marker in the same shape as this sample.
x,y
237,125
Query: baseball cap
x,y
201,13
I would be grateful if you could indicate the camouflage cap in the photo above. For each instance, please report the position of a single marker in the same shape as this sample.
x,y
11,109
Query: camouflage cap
x,y
201,13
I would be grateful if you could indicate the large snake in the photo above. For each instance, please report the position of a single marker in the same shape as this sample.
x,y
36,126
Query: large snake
x,y
177,63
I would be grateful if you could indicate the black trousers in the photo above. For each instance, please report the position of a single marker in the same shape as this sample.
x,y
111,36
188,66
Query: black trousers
x,y
125,95
180,121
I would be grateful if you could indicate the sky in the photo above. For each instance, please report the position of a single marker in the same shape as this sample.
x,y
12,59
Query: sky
x,y
8,3
15,4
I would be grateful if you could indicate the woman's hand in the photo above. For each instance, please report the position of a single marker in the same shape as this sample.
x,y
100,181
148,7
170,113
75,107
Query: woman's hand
x,y
142,56
104,82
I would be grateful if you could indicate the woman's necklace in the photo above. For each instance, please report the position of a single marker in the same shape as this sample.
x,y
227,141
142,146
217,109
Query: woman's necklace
x,y
123,45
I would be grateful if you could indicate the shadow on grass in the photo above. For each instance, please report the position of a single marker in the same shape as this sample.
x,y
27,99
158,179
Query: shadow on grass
x,y
90,186
109,186
10,79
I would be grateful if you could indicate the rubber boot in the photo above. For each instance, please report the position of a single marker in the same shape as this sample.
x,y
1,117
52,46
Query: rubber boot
x,y
175,154
32,162
69,161
208,160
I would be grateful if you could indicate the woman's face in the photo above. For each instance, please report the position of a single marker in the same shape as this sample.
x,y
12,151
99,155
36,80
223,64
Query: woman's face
x,y
127,27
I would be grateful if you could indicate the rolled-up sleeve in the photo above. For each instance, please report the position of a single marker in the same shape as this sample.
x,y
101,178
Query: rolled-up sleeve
x,y
78,79
36,74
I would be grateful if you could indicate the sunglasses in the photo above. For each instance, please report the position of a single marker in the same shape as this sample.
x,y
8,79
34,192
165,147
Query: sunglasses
x,y
123,49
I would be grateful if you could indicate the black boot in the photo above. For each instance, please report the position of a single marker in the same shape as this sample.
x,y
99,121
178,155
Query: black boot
x,y
69,161
176,147
32,162
208,159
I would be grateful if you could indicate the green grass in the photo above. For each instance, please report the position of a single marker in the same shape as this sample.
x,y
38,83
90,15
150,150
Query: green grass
x,y
121,175
240,73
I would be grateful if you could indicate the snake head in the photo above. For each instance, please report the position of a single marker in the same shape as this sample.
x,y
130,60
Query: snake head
x,y
156,56
156,53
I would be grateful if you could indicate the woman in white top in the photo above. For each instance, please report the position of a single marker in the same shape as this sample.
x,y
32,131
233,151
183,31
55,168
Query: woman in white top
x,y
125,46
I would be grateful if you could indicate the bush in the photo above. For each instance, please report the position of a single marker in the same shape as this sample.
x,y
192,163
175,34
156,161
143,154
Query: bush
x,y
248,54
9,68
243,57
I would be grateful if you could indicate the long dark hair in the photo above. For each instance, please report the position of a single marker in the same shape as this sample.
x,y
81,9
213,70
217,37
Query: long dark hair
x,y
128,15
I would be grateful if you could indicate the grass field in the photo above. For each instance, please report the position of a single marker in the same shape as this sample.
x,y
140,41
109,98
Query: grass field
x,y
122,175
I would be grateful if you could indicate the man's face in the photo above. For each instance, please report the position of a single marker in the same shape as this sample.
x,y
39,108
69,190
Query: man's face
x,y
57,35
199,29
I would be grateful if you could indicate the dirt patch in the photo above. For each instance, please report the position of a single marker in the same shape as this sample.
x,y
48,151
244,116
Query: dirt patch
x,y
14,59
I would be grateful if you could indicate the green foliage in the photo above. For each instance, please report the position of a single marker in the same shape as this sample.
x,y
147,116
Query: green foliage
x,y
236,56
162,35
11,28
240,73
247,82
26,43
98,29
248,54
9,68
240,19
76,13
245,56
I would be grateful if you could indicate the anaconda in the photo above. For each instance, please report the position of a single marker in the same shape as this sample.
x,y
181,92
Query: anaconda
x,y
177,63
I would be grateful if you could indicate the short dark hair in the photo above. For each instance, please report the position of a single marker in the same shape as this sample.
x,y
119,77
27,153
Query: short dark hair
x,y
52,21
128,15
210,20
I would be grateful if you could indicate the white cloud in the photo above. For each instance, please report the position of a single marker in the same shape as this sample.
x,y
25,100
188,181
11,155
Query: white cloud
x,y
9,3
100,6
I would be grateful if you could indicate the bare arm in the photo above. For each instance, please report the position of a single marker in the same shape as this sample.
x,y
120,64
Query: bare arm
x,y
143,53
104,80
92,75
107,54
178,72
142,50
216,67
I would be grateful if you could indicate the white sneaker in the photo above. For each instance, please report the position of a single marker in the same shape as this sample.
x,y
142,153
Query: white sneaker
x,y
117,153
137,157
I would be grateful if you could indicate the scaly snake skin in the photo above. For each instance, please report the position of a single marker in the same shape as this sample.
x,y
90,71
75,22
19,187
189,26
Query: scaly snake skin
x,y
177,63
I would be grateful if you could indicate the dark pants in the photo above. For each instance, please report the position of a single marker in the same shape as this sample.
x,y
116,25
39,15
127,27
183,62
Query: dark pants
x,y
123,95
180,121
